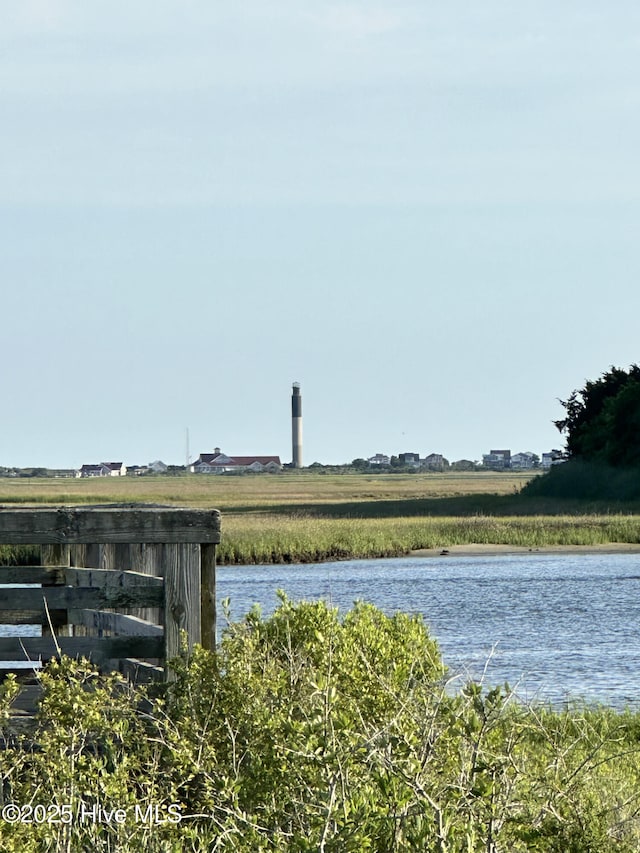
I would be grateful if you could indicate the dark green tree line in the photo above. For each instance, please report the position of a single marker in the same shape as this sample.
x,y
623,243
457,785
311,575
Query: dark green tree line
x,y
602,420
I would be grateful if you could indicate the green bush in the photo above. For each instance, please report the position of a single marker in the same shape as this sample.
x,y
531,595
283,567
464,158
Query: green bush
x,y
307,732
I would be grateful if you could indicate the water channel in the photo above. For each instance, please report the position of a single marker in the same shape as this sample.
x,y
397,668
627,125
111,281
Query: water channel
x,y
556,627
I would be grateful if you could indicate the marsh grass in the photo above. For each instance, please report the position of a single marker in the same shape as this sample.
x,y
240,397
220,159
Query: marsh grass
x,y
310,517
298,539
288,489
19,555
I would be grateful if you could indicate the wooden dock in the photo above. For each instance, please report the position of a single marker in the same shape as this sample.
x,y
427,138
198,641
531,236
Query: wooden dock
x,y
117,584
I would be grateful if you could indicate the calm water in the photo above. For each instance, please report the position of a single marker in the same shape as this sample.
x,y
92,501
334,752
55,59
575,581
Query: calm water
x,y
558,627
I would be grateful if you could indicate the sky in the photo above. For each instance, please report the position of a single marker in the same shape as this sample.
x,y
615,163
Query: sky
x,y
425,213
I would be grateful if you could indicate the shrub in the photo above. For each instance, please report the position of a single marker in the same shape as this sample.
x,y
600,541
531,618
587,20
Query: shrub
x,y
308,732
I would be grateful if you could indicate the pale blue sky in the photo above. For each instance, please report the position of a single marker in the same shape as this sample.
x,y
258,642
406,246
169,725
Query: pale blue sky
x,y
425,213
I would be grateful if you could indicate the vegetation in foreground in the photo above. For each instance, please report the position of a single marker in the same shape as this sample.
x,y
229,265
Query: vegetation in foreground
x,y
309,733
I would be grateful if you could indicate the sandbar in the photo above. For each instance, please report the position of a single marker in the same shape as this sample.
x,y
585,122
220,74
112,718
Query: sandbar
x,y
489,550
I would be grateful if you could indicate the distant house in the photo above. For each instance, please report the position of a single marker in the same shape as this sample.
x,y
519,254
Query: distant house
x,y
219,463
158,467
116,469
378,459
524,461
92,471
554,457
137,470
434,462
409,459
498,460
103,469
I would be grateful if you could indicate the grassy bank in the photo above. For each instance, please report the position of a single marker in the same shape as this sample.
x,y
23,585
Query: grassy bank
x,y
307,516
279,539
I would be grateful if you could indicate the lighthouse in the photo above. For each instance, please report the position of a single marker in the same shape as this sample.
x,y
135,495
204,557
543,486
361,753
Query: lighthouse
x,y
296,425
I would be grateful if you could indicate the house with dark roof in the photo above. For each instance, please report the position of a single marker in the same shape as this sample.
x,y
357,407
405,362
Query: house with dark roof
x,y
103,469
435,462
409,459
497,460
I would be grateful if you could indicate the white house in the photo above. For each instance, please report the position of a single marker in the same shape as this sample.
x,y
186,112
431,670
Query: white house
x,y
103,469
378,459
523,461
115,469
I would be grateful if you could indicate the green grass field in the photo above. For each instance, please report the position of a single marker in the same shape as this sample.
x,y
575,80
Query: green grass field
x,y
289,488
307,516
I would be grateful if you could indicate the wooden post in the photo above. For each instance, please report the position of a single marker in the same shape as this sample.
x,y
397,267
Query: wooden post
x,y
92,556
108,556
181,571
146,559
122,556
208,595
78,556
56,555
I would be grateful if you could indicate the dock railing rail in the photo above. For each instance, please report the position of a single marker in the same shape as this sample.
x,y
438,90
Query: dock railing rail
x,y
117,584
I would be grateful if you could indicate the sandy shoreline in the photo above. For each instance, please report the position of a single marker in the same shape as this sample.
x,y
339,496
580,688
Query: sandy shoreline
x,y
478,550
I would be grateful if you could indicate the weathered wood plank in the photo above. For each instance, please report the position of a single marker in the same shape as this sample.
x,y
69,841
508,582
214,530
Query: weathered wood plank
x,y
117,623
85,525
78,555
137,670
102,578
208,596
47,575
91,555
146,559
65,597
97,648
56,554
33,617
27,699
181,570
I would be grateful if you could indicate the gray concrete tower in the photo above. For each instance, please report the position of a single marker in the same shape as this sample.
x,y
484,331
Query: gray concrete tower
x,y
296,425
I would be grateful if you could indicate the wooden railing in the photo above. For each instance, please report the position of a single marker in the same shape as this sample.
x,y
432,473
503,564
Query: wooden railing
x,y
117,584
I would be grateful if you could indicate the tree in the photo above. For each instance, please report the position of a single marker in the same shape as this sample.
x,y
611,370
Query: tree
x,y
602,420
463,465
360,464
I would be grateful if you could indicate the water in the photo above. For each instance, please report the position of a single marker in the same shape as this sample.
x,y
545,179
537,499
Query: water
x,y
556,627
